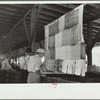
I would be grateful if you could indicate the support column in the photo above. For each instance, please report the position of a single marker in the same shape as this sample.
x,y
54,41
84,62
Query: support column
x,y
33,42
40,44
9,42
27,32
89,57
34,19
89,42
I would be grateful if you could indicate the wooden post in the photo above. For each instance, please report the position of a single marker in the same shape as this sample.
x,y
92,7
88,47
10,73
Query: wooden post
x,y
89,41
40,44
9,42
27,33
34,19
33,42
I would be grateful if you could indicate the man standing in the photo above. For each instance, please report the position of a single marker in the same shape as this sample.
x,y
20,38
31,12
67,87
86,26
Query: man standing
x,y
34,65
24,65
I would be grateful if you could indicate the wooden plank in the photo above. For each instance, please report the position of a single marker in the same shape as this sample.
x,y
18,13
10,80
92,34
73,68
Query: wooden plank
x,y
93,32
26,30
7,20
92,19
93,10
12,6
50,13
48,16
16,42
6,16
70,7
44,22
17,23
96,23
8,12
55,8
13,10
95,28
44,18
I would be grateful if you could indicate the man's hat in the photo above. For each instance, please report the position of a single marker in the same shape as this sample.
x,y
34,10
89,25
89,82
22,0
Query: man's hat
x,y
40,50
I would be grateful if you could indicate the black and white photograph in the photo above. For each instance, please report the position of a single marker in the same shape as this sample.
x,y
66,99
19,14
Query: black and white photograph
x,y
49,43
55,44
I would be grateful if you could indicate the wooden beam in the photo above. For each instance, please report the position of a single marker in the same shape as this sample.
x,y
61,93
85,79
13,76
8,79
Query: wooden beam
x,y
90,7
16,24
9,42
36,20
95,40
55,8
44,22
13,7
43,17
50,13
94,11
26,30
33,18
8,12
92,19
24,51
40,44
95,28
8,16
70,7
50,17
92,31
16,42
24,15
39,39
11,10
7,20
96,24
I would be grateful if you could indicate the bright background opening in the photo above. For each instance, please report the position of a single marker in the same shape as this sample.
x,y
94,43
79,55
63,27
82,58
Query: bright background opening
x,y
96,56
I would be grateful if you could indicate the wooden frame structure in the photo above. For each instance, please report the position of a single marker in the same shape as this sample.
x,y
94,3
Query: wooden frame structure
x,y
23,25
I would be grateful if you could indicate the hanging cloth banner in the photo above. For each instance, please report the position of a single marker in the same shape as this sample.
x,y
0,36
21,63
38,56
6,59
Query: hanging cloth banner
x,y
75,18
81,8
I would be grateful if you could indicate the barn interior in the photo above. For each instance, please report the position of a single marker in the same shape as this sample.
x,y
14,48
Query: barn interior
x,y
22,26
